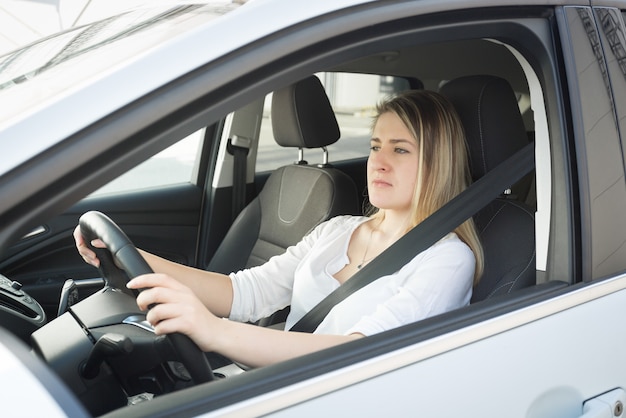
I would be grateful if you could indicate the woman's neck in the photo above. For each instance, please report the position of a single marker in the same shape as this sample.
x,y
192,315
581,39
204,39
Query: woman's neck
x,y
392,225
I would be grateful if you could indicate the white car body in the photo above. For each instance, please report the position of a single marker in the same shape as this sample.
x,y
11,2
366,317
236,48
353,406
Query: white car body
x,y
553,351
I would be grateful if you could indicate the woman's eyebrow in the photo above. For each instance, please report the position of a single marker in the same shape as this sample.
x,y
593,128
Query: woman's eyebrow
x,y
408,142
395,141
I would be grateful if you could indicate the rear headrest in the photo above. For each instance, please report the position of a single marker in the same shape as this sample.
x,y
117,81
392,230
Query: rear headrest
x,y
490,114
302,116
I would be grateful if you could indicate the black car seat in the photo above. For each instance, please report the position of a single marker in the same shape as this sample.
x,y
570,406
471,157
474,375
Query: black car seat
x,y
495,130
295,198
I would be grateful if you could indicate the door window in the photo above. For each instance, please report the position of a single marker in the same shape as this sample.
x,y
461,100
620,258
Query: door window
x,y
174,165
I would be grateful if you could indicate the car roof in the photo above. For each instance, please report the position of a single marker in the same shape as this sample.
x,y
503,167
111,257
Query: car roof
x,y
26,107
31,111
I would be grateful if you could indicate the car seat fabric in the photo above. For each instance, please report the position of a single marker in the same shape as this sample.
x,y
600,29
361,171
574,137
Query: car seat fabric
x,y
494,131
295,198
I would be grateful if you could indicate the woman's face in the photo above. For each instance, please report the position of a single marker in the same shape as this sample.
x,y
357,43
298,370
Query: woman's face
x,y
392,165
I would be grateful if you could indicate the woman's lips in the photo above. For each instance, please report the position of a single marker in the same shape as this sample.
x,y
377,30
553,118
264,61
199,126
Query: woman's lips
x,y
381,183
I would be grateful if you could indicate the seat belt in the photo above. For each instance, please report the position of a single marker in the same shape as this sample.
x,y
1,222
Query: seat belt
x,y
239,146
427,233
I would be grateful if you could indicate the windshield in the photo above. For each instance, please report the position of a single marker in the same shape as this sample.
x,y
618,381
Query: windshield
x,y
56,63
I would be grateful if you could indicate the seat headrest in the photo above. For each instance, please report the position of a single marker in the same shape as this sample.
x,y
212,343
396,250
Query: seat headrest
x,y
302,116
494,127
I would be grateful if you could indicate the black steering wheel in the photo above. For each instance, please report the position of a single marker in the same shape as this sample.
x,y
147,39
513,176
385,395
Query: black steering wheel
x,y
121,252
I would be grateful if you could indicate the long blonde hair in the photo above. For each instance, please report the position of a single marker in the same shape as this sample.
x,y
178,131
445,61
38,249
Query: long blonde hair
x,y
443,170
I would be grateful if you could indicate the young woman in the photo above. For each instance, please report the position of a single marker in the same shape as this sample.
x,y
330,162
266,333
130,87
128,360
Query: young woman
x,y
418,162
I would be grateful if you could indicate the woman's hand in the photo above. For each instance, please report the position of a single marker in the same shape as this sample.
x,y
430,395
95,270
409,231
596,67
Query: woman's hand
x,y
83,249
175,308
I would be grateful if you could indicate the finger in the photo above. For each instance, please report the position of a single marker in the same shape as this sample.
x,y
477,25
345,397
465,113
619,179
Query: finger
x,y
153,280
98,243
89,256
152,296
85,252
158,289
78,236
170,317
181,312
142,282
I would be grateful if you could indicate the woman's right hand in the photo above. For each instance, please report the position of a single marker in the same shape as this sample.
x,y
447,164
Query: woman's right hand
x,y
83,249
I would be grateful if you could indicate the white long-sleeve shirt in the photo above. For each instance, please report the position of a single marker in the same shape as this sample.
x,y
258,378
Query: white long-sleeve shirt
x,y
437,280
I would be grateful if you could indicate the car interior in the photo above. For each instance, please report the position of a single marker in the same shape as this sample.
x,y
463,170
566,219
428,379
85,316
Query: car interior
x,y
199,222
297,197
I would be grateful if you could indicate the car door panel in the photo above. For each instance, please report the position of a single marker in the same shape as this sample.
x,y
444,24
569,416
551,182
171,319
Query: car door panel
x,y
524,372
546,360
162,221
543,360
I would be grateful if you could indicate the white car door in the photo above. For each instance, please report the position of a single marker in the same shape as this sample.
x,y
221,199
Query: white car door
x,y
555,350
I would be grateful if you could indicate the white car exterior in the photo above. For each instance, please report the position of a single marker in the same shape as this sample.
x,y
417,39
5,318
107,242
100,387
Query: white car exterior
x,y
551,350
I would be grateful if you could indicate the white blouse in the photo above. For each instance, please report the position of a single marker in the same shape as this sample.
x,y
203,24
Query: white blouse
x,y
437,280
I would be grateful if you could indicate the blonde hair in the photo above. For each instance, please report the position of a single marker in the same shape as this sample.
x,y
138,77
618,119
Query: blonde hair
x,y
443,167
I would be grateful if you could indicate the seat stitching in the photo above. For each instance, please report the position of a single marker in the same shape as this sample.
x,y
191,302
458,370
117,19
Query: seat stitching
x,y
494,291
521,207
512,203
511,283
523,271
492,218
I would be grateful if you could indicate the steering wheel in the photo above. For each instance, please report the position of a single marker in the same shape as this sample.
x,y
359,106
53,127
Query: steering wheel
x,y
121,252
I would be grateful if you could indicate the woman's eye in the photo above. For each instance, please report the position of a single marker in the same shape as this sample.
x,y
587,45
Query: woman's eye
x,y
401,151
374,148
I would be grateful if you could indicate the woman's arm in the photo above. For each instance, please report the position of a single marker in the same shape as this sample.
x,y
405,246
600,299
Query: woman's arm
x,y
215,290
177,309
258,346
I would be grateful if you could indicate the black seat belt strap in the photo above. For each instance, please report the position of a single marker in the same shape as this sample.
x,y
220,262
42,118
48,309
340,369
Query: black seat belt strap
x,y
239,146
427,233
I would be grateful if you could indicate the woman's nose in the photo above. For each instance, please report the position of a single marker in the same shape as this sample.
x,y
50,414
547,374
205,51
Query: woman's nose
x,y
379,161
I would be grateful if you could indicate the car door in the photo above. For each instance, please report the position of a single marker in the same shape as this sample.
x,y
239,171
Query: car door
x,y
549,351
558,353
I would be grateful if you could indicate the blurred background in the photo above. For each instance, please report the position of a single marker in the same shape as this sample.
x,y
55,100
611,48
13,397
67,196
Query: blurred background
x,y
25,21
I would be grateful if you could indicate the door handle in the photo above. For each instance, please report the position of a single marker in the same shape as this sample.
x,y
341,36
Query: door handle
x,y
608,405
35,232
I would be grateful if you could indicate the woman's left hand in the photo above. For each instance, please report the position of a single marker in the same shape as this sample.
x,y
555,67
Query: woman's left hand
x,y
174,308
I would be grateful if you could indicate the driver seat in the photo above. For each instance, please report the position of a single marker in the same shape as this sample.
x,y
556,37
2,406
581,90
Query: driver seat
x,y
295,198
494,129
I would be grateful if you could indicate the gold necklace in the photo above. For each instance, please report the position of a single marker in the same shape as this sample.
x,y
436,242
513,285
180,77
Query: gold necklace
x,y
367,247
